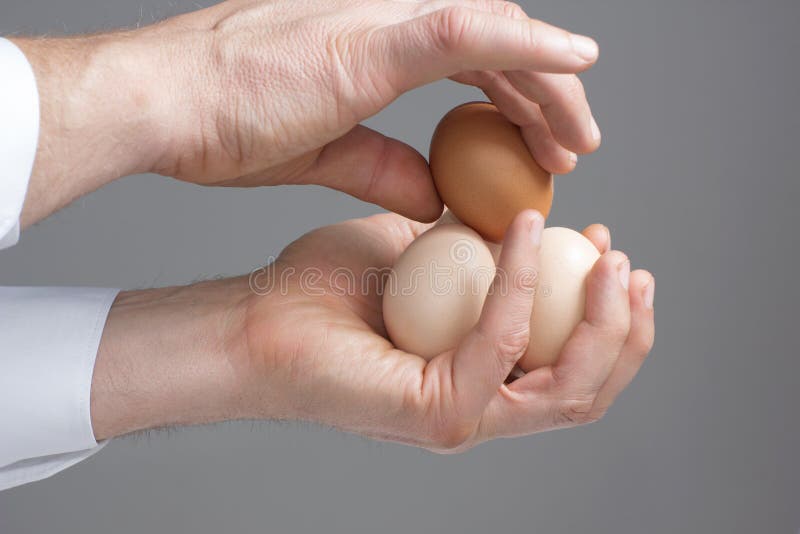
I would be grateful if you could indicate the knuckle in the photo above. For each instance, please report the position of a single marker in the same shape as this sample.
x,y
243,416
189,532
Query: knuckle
x,y
577,411
642,344
451,437
596,414
493,78
510,9
451,27
620,332
616,333
510,346
347,72
573,90
530,38
518,12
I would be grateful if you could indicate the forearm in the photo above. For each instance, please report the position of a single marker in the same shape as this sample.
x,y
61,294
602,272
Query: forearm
x,y
172,356
99,108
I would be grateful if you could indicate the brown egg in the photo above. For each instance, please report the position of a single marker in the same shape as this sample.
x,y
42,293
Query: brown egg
x,y
565,260
484,171
436,291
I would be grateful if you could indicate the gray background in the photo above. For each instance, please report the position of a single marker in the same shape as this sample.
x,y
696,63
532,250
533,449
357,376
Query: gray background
x,y
697,179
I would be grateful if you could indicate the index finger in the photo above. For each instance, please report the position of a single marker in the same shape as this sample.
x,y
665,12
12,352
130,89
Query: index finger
x,y
456,38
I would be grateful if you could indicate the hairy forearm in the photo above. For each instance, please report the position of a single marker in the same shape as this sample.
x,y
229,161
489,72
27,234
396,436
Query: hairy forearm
x,y
99,115
172,356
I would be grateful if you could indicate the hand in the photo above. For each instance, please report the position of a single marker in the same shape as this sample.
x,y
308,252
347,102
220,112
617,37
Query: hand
x,y
249,93
305,350
331,356
282,89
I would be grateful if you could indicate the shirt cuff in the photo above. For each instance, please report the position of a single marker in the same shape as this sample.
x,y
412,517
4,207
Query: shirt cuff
x,y
33,469
19,135
49,339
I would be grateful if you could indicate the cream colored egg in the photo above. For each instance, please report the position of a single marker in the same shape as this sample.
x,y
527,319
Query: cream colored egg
x,y
436,290
565,260
448,218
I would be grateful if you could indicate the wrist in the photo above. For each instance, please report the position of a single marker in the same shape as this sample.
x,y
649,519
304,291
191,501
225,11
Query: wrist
x,y
171,356
99,117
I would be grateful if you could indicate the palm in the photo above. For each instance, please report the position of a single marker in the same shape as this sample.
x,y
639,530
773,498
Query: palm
x,y
329,342
319,330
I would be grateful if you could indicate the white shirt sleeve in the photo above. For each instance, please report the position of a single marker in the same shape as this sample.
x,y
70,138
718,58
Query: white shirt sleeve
x,y
48,336
48,344
19,136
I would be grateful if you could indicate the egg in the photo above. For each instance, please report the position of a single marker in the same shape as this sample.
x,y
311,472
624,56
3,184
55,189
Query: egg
x,y
484,171
436,290
565,259
448,218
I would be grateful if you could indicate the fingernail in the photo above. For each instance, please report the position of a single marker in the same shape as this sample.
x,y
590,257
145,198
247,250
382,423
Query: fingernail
x,y
649,293
624,270
535,230
608,235
584,47
595,130
573,158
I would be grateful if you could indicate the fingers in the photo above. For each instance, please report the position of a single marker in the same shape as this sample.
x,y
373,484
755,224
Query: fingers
x,y
563,103
457,38
545,149
599,235
565,394
637,346
479,42
590,354
561,98
484,359
553,137
380,170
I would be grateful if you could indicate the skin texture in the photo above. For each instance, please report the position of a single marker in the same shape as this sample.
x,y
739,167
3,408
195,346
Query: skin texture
x,y
251,93
219,351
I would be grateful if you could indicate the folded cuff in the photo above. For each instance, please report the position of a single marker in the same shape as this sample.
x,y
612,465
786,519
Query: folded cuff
x,y
19,136
49,339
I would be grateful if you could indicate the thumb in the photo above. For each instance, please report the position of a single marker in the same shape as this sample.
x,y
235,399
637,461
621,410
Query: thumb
x,y
378,169
489,352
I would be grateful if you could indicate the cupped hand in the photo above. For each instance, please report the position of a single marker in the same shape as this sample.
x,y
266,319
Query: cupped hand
x,y
272,92
317,348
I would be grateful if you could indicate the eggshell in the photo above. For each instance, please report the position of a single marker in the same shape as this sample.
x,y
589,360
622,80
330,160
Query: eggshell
x,y
484,171
436,290
565,259
448,218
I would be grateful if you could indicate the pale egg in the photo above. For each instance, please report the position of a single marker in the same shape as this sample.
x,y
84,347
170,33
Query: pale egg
x,y
448,218
436,290
565,260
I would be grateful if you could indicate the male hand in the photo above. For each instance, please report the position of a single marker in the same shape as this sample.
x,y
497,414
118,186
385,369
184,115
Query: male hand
x,y
307,349
249,93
